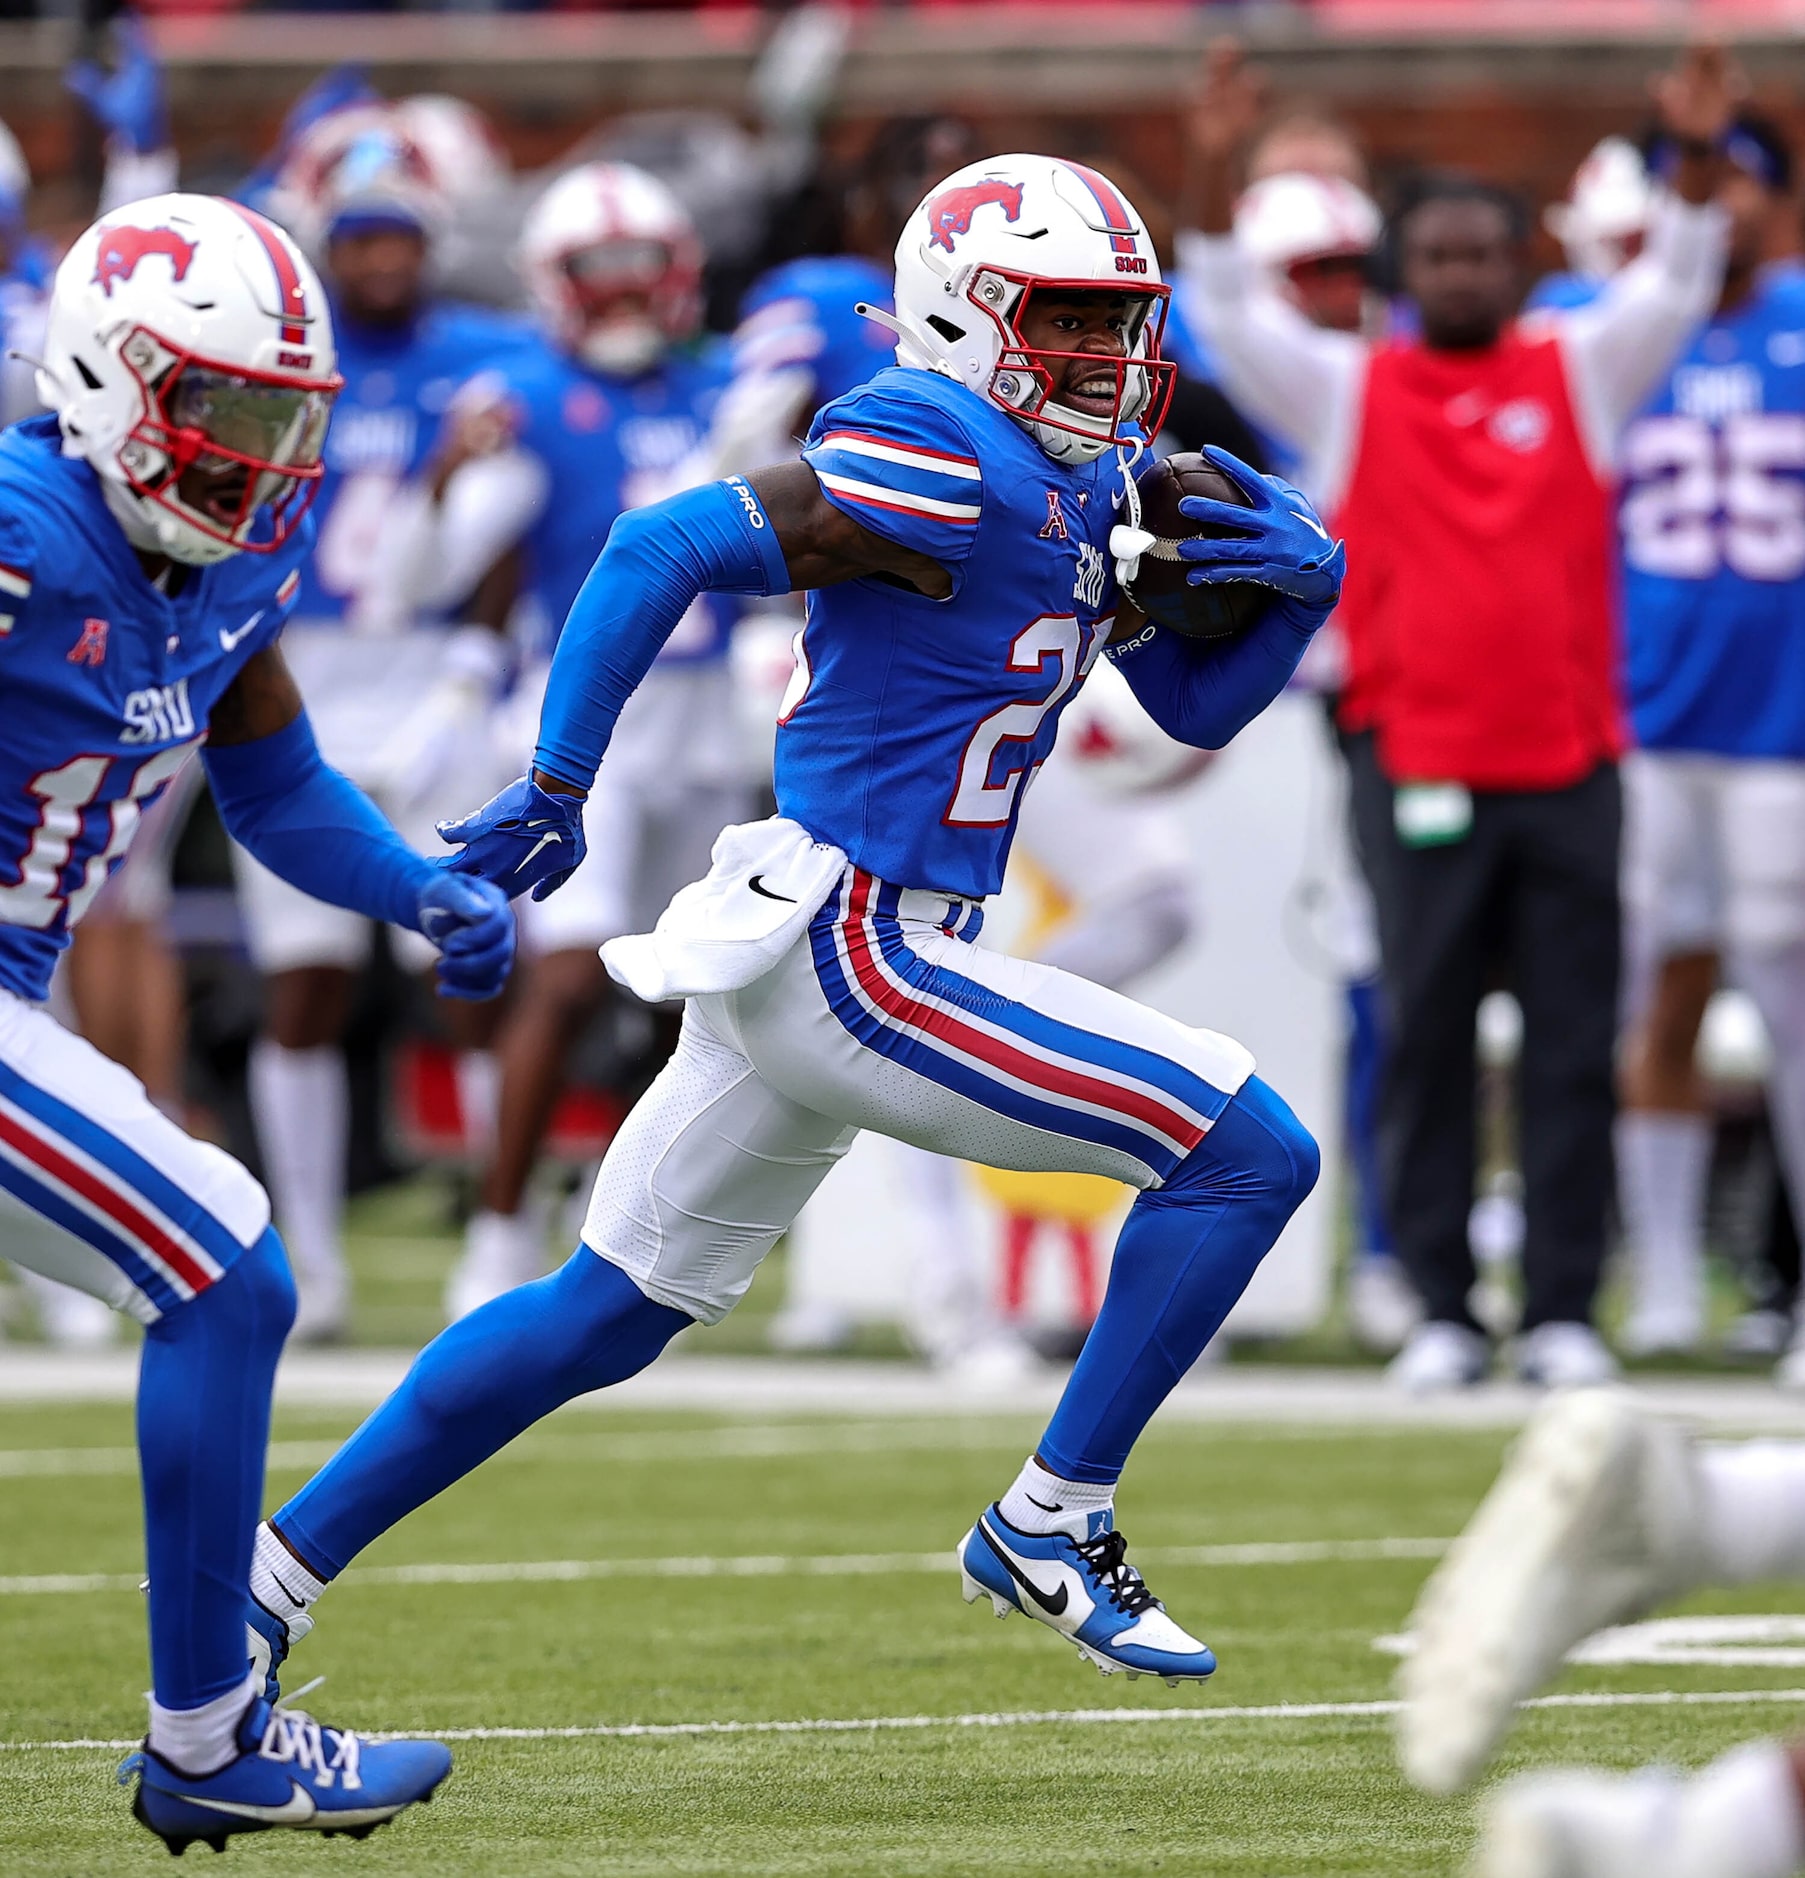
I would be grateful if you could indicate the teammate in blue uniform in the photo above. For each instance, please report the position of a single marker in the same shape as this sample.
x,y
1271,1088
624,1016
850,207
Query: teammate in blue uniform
x,y
1713,554
604,415
955,523
152,535
398,670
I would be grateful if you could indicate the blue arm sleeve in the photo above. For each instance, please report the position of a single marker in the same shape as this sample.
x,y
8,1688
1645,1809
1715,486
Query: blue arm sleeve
x,y
315,828
716,539
1203,692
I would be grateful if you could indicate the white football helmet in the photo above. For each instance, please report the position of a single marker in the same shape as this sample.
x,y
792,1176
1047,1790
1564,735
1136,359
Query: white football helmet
x,y
986,240
189,358
362,165
467,163
1602,222
1282,220
611,259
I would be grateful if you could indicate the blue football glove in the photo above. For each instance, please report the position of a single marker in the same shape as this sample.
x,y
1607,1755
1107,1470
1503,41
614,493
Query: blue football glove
x,y
1280,543
128,101
523,838
472,924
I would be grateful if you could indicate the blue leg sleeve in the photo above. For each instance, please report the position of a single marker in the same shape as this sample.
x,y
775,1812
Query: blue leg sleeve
x,y
203,1428
1185,1255
470,1392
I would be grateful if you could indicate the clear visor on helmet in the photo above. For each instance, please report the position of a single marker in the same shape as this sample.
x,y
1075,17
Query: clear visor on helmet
x,y
239,420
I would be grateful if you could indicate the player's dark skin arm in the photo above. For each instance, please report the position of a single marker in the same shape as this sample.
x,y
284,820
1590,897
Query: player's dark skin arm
x,y
260,701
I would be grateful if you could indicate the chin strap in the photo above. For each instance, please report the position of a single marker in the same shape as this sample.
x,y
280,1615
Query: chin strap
x,y
1128,540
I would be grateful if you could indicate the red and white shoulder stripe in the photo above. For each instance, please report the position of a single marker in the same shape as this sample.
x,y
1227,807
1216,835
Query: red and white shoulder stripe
x,y
903,478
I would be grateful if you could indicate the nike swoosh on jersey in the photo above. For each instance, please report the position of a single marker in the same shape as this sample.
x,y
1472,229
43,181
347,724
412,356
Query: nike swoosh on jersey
x,y
227,641
765,893
296,1810
1053,1605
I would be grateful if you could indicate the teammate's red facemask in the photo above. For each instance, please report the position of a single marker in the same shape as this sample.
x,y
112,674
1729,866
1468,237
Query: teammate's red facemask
x,y
224,446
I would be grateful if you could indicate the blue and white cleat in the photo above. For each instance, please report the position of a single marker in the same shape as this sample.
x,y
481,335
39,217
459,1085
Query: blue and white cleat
x,y
292,1772
269,1639
1085,1589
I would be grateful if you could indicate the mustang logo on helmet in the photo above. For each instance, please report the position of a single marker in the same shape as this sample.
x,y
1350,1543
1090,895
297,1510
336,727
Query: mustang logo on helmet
x,y
123,247
950,212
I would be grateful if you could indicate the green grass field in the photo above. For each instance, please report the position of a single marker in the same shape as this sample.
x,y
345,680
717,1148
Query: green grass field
x,y
683,1613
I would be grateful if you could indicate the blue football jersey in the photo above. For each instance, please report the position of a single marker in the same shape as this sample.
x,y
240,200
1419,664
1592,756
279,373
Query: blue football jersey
x,y
106,685
398,382
913,725
609,445
1713,537
1560,293
801,314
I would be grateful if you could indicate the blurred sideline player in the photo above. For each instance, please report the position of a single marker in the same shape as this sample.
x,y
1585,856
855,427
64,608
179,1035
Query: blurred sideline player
x,y
151,539
1601,224
1603,1512
1713,541
400,693
826,957
1308,228
602,416
1315,387
21,287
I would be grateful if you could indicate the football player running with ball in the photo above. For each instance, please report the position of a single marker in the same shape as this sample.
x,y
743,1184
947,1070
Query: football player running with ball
x,y
152,533
952,521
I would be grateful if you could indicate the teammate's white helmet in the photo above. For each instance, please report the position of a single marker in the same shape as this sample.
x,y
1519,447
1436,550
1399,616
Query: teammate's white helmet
x,y
1606,211
611,259
1282,220
364,167
189,358
467,163
998,232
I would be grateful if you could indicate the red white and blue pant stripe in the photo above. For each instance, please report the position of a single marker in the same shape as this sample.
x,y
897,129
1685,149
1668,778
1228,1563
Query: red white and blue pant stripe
x,y
85,1179
1018,1061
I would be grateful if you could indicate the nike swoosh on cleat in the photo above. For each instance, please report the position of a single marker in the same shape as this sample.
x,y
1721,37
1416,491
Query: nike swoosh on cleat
x,y
1053,1606
765,893
297,1810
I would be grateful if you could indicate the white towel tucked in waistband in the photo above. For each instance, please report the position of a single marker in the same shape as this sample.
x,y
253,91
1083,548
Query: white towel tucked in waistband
x,y
769,879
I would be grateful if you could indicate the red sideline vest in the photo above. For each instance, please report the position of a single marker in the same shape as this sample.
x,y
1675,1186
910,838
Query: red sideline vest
x,y
1478,612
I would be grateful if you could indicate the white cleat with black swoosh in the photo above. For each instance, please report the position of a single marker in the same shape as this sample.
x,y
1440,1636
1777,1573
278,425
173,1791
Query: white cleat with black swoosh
x,y
1080,1584
291,1773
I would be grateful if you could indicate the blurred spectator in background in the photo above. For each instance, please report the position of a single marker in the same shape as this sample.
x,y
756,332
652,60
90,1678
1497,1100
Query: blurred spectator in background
x,y
601,415
1469,469
398,681
1308,229
1713,545
21,287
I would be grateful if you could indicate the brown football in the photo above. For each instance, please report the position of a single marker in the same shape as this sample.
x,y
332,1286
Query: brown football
x,y
1159,587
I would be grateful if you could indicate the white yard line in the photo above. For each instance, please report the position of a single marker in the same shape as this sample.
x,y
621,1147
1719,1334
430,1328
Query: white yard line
x,y
737,1385
1038,1718
771,1565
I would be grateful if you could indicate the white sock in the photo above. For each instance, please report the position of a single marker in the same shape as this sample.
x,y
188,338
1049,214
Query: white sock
x,y
1663,1164
279,1581
201,1740
1754,1510
1741,1817
301,1103
479,1099
1042,1502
